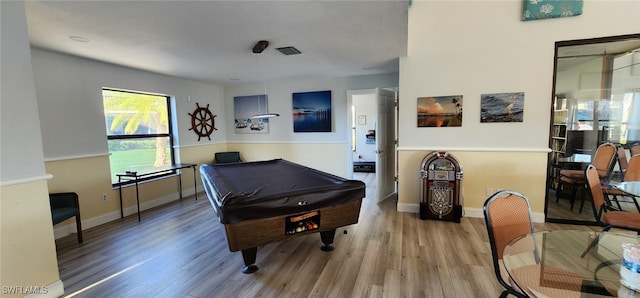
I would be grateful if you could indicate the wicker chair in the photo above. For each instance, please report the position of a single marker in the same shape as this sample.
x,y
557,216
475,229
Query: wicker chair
x,y
603,160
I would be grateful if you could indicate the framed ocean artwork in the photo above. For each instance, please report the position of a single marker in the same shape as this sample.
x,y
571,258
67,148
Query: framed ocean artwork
x,y
502,107
312,111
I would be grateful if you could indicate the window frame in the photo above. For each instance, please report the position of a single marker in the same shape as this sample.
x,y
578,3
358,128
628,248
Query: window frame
x,y
169,134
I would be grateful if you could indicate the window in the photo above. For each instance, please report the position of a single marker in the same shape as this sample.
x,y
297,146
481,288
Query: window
x,y
139,132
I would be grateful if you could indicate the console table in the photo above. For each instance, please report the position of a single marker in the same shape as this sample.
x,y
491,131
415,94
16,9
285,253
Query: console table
x,y
136,177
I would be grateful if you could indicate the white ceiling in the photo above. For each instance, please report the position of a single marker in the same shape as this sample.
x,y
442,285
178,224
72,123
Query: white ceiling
x,y
570,56
212,40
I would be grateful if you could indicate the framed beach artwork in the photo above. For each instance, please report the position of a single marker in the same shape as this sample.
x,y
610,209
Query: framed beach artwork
x,y
246,106
440,111
502,107
312,111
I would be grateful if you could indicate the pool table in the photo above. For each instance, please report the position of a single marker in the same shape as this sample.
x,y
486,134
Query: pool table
x,y
268,201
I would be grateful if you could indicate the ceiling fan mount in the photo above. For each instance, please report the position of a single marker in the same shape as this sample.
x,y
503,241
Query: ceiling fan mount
x,y
260,46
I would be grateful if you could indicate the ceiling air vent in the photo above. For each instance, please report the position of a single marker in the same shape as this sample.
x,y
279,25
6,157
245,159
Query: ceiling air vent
x,y
289,51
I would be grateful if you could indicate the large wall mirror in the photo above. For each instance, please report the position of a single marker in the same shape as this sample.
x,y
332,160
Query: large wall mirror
x,y
596,100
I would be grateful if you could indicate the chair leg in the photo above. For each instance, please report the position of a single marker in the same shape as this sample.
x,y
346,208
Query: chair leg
x,y
558,190
633,199
584,197
79,228
574,190
593,208
615,198
595,242
636,203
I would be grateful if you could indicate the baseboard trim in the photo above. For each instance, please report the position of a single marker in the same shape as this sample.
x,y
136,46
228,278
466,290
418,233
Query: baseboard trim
x,y
65,230
55,289
468,212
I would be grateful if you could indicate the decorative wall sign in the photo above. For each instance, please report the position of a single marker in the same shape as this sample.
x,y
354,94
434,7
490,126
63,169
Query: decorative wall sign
x,y
545,9
440,111
502,107
244,107
362,119
203,122
312,111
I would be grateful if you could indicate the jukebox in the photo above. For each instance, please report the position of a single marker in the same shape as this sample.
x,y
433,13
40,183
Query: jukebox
x,y
440,191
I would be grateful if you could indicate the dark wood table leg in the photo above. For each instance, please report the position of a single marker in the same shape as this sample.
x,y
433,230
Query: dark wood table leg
x,y
180,182
138,198
120,191
327,239
249,257
195,185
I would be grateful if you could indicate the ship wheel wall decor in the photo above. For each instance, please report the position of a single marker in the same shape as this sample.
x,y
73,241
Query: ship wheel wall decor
x,y
203,122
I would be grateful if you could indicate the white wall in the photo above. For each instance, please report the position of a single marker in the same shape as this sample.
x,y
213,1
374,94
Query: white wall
x,y
27,248
21,146
476,47
280,101
70,102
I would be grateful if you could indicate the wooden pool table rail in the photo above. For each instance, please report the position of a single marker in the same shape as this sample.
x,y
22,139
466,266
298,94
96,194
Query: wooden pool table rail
x,y
248,235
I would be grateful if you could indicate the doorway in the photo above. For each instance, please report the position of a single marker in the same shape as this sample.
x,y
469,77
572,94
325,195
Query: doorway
x,y
372,138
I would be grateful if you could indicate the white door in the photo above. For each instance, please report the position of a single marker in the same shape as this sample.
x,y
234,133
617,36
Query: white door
x,y
385,143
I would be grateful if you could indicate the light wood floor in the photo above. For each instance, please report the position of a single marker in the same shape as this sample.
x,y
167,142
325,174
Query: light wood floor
x,y
180,250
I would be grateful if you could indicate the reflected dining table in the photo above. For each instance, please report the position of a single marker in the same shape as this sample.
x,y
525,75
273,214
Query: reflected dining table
x,y
564,263
630,187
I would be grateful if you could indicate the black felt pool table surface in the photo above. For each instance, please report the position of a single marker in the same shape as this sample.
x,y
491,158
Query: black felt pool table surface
x,y
262,189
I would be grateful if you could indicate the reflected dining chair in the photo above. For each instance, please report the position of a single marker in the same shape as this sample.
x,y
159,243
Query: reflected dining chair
x,y
606,215
603,160
635,149
623,163
631,174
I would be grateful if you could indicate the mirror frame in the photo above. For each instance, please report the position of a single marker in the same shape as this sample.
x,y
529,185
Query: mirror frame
x,y
549,184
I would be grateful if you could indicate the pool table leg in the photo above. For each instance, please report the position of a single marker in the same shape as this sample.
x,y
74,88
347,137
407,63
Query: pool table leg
x,y
249,257
327,239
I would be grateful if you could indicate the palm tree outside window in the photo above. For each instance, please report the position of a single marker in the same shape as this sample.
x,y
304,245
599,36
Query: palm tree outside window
x,y
139,133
